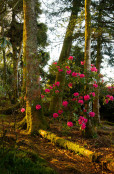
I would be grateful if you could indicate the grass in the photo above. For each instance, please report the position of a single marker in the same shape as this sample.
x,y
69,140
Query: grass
x,y
22,162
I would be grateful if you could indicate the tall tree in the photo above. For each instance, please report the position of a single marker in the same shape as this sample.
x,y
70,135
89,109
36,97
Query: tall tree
x,y
34,118
103,27
87,54
89,131
98,64
66,48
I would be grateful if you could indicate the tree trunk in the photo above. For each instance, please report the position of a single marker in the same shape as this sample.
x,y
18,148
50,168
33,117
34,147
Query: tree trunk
x,y
96,101
98,64
35,119
87,54
5,67
4,58
57,101
89,131
15,71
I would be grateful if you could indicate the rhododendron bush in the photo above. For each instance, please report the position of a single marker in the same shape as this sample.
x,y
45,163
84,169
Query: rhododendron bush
x,y
74,97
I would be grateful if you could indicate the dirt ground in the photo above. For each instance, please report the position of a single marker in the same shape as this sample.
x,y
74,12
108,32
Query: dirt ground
x,y
62,160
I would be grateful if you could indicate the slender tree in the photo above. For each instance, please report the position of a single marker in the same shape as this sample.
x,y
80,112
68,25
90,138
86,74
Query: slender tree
x,y
66,48
98,65
89,131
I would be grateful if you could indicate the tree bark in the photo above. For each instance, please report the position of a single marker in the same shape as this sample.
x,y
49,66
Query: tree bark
x,y
35,118
89,130
4,58
87,54
67,43
98,64
15,71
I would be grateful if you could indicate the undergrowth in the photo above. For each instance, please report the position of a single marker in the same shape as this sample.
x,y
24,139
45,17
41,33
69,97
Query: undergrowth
x,y
22,162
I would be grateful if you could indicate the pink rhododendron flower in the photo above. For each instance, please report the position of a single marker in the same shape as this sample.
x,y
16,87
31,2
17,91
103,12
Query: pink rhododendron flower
x,y
70,85
82,75
51,87
54,85
55,115
74,99
42,96
65,103
81,102
111,98
106,101
38,107
82,62
70,58
108,96
67,67
92,93
47,90
82,121
22,109
93,69
60,111
55,63
60,70
68,71
109,87
80,97
70,124
86,97
83,126
85,120
91,114
95,85
84,110
57,83
74,74
76,94
56,91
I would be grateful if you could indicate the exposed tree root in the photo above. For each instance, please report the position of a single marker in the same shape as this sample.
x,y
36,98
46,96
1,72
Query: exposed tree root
x,y
21,124
70,145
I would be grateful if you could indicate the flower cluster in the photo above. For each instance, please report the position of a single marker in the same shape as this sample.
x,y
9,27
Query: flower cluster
x,y
91,114
109,98
38,107
22,110
69,124
82,121
65,103
94,69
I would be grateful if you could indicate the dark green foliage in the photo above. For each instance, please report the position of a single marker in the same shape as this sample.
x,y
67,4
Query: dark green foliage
x,y
20,162
102,27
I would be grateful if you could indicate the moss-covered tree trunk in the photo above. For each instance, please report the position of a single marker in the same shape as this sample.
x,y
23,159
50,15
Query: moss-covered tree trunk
x,y
67,43
34,118
87,54
89,131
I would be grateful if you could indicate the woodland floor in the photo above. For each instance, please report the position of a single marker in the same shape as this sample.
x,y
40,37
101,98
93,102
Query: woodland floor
x,y
62,160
